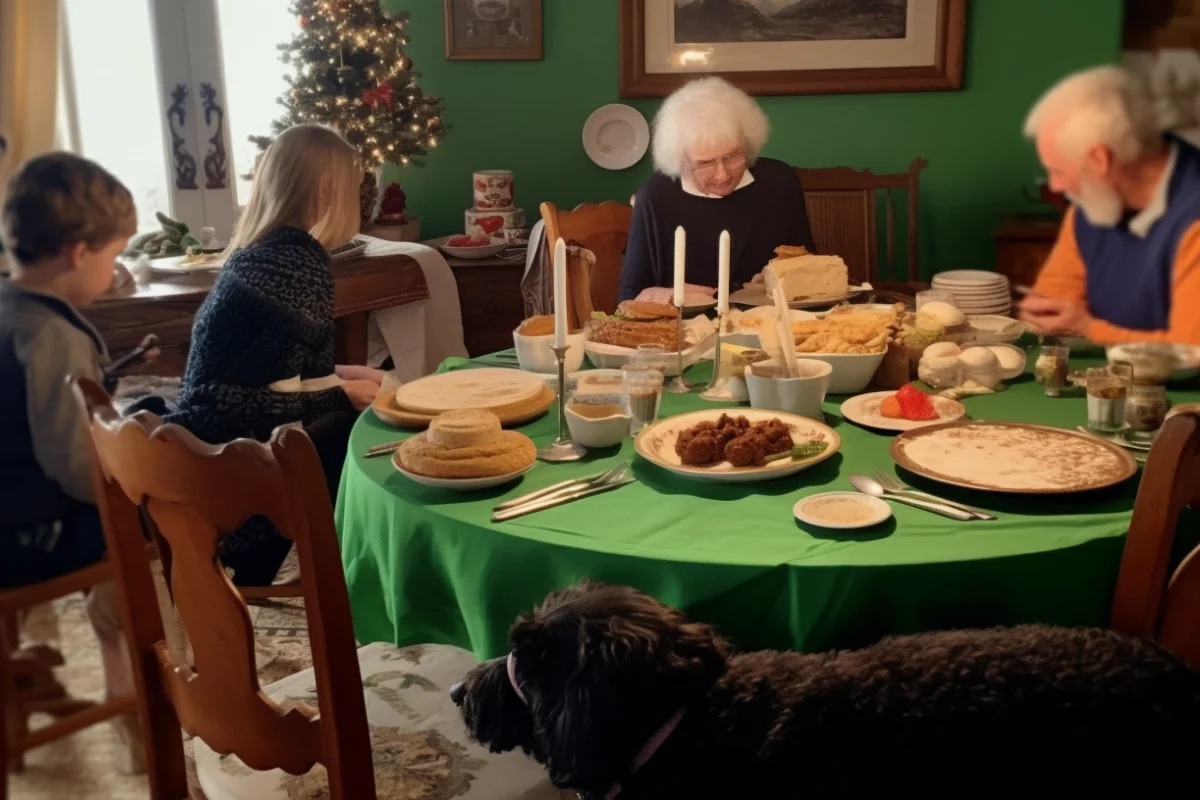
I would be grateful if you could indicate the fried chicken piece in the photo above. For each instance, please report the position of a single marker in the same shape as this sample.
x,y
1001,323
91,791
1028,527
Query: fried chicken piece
x,y
698,449
745,450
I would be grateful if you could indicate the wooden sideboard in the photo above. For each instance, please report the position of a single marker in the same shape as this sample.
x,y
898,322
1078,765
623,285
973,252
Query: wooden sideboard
x,y
1023,243
167,306
489,291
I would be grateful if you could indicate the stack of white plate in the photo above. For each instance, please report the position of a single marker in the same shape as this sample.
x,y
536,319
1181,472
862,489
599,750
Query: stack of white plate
x,y
976,291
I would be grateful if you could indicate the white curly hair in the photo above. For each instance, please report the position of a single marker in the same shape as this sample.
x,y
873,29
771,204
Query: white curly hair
x,y
703,113
1107,106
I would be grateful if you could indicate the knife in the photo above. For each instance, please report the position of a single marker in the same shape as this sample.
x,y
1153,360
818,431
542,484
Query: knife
x,y
557,500
552,489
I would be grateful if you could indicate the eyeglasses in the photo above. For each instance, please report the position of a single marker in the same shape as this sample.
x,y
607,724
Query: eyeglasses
x,y
702,170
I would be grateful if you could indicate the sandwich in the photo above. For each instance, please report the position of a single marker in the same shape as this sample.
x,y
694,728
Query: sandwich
x,y
637,322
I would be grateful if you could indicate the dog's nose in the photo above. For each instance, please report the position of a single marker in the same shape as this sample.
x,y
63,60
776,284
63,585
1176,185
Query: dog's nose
x,y
458,692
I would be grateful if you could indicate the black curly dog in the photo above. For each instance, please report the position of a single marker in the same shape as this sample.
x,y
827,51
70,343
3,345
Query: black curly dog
x,y
621,696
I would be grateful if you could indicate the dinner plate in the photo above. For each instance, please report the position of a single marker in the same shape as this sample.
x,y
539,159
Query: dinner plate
x,y
656,444
176,265
969,278
458,484
756,295
1013,458
863,410
616,136
482,251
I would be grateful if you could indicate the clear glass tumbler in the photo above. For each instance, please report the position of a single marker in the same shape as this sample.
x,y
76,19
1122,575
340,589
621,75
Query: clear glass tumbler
x,y
641,390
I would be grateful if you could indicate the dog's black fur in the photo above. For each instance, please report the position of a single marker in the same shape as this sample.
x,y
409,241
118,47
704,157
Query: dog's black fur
x,y
965,712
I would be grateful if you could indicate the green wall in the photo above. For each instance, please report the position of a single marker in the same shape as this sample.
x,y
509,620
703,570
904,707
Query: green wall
x,y
528,117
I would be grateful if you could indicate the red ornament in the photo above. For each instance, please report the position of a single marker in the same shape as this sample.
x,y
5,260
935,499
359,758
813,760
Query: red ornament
x,y
391,208
379,94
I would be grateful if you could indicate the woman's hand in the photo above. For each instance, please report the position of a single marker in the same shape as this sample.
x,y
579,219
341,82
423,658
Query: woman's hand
x,y
361,393
356,372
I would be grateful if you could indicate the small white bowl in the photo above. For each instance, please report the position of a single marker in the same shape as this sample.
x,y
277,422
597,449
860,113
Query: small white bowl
x,y
802,395
534,353
842,510
1001,351
851,372
605,431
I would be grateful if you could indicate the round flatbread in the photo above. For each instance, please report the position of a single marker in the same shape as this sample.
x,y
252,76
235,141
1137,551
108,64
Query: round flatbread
x,y
469,388
509,452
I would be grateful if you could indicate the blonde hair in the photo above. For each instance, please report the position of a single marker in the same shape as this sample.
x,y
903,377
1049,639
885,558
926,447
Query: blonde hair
x,y
706,112
308,176
1107,106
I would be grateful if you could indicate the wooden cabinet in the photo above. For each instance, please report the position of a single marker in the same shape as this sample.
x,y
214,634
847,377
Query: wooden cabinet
x,y
1023,243
489,291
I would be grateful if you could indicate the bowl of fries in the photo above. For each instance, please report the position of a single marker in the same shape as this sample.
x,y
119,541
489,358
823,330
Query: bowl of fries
x,y
852,340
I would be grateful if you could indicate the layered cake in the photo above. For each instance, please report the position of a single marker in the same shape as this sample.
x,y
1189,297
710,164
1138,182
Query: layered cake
x,y
807,276
494,214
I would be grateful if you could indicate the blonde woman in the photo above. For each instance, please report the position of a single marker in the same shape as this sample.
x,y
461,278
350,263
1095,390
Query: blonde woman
x,y
262,342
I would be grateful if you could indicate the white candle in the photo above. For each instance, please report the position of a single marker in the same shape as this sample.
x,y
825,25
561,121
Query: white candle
x,y
680,275
723,274
560,293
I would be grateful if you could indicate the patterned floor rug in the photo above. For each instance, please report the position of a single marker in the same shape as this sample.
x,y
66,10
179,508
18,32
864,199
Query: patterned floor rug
x,y
81,766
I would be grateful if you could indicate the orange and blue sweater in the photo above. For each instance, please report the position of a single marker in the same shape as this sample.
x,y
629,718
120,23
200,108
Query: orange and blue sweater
x,y
1139,288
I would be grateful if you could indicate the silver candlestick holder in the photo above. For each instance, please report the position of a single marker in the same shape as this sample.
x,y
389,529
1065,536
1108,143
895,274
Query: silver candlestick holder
x,y
679,385
718,384
562,448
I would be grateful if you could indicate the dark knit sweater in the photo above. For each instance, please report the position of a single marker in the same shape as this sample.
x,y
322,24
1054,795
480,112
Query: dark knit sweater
x,y
760,217
268,318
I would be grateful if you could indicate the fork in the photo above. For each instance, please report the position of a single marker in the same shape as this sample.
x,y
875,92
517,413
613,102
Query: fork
x,y
618,473
895,486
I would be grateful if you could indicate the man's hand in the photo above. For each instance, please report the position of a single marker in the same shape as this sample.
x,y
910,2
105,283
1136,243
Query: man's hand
x,y
1055,317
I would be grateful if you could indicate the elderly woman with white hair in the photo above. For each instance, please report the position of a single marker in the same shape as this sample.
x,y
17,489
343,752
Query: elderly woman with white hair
x,y
710,178
1126,266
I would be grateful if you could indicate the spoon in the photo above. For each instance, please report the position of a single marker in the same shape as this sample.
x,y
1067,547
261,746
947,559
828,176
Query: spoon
x,y
869,486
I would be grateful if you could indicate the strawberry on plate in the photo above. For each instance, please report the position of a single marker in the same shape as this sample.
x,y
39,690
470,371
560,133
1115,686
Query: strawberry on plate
x,y
909,403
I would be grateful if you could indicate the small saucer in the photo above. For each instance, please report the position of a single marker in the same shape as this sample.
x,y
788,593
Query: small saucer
x,y
842,510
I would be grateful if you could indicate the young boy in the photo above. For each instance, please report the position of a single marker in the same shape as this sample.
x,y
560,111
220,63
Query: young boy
x,y
64,221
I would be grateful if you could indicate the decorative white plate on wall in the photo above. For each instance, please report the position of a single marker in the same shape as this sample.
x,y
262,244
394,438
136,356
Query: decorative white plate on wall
x,y
616,136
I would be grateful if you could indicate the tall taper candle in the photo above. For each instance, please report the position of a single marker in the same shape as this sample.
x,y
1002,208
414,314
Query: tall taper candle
x,y
680,276
723,274
560,293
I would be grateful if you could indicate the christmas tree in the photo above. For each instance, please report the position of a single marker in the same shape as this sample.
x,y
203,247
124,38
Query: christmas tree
x,y
351,73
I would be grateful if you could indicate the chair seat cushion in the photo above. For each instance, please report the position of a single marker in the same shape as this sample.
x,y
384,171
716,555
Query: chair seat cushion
x,y
420,745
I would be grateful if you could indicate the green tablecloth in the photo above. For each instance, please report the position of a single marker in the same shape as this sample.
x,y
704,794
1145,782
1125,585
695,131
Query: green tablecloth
x,y
426,565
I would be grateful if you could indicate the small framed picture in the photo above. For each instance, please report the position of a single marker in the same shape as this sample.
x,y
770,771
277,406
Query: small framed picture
x,y
493,30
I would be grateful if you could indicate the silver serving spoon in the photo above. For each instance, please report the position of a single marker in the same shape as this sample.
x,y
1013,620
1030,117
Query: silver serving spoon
x,y
870,486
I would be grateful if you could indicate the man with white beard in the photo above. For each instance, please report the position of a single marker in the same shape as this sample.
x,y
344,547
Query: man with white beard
x,y
1126,266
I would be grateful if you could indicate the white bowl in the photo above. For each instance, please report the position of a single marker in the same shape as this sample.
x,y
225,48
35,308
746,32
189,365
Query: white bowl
x,y
534,353
1012,372
851,372
606,431
802,395
842,510
1182,360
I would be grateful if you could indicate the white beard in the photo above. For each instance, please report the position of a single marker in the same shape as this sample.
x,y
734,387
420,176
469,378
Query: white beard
x,y
1102,204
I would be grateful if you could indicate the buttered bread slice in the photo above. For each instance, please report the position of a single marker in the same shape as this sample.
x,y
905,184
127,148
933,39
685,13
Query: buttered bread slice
x,y
805,277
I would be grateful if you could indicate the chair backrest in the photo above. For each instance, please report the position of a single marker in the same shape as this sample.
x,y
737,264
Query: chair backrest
x,y
842,210
1151,599
189,495
602,228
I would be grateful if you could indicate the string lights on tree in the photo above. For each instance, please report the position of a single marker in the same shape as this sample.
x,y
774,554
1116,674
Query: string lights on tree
x,y
351,72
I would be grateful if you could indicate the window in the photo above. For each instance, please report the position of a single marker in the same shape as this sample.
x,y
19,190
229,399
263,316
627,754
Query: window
x,y
164,93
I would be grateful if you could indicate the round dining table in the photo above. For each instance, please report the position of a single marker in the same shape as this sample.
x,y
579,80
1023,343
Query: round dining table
x,y
427,565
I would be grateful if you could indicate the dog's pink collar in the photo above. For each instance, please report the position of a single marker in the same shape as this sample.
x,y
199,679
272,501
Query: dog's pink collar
x,y
647,752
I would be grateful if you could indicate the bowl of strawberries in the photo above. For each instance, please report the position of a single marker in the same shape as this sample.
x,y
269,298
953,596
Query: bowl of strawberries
x,y
470,246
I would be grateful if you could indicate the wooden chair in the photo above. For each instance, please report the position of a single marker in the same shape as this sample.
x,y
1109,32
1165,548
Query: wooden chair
x,y
27,685
191,494
603,229
1150,600
843,209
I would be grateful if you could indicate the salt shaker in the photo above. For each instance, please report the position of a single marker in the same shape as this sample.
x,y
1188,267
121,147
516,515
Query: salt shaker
x,y
208,238
142,274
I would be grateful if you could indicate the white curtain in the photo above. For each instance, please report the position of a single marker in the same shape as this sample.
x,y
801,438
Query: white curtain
x,y
29,62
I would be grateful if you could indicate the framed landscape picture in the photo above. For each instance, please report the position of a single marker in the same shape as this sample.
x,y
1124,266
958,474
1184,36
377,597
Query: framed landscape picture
x,y
493,30
781,47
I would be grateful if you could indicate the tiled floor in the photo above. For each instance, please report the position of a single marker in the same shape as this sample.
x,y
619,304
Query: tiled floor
x,y
81,766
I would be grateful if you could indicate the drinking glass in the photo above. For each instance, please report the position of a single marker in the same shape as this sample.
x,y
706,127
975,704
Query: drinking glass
x,y
653,356
1106,395
935,296
1147,408
641,390
1051,368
